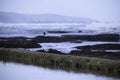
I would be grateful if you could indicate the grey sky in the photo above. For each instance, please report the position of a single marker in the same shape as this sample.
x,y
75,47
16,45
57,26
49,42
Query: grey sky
x,y
103,10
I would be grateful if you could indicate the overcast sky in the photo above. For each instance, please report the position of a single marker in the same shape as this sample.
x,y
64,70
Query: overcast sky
x,y
103,10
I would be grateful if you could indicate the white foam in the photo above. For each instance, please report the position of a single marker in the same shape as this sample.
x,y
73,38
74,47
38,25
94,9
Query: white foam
x,y
66,47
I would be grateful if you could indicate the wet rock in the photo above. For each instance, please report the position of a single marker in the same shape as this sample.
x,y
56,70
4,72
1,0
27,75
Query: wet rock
x,y
98,50
54,51
77,41
85,52
41,50
58,31
18,44
13,38
98,54
99,37
51,39
64,38
101,47
46,39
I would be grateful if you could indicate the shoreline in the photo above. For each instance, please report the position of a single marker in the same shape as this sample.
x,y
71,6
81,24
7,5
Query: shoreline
x,y
66,62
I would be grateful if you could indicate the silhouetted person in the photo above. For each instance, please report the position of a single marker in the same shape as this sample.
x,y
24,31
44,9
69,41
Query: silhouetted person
x,y
44,33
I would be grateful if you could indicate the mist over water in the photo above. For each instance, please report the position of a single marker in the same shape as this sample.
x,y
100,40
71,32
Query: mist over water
x,y
101,10
32,30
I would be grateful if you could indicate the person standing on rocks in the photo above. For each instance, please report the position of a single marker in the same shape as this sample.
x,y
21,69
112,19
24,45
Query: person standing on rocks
x,y
44,33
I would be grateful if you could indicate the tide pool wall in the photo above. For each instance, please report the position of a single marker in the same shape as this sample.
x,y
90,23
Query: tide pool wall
x,y
66,62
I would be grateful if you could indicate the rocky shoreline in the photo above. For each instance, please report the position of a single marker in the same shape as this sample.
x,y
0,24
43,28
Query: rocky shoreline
x,y
93,58
63,38
98,50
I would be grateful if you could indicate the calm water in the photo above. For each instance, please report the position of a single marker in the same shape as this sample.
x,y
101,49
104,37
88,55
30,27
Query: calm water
x,y
15,71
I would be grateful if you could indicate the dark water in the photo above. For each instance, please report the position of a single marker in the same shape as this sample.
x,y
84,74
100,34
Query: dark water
x,y
15,71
